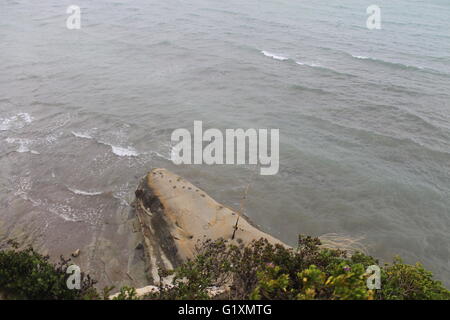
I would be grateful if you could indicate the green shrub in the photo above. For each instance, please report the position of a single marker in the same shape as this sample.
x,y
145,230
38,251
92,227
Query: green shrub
x,y
265,271
259,270
407,282
26,274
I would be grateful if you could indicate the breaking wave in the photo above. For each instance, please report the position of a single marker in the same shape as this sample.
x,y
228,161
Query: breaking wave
x,y
311,64
117,150
123,152
82,135
274,56
85,193
23,145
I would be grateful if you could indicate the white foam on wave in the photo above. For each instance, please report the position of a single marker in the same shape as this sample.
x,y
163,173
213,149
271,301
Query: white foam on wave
x,y
91,215
23,145
121,151
26,117
85,193
51,138
117,150
22,149
124,152
312,64
274,56
16,121
361,57
82,135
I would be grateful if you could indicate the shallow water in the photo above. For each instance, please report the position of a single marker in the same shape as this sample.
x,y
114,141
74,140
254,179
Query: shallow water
x,y
364,115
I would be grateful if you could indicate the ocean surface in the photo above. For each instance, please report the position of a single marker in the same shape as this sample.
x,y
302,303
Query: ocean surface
x,y
364,115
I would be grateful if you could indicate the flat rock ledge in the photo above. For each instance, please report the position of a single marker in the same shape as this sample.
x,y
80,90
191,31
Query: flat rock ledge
x,y
175,216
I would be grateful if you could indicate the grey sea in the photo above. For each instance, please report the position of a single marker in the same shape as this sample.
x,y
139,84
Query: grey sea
x,y
364,119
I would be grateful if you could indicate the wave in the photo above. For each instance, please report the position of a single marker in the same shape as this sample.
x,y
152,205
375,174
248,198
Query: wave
x,y
17,121
303,63
361,57
391,64
367,134
23,145
124,152
117,150
274,56
82,135
312,64
161,155
121,151
325,68
26,117
84,193
394,64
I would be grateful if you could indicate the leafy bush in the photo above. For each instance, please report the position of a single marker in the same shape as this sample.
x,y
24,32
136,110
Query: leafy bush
x,y
26,274
265,271
406,282
259,270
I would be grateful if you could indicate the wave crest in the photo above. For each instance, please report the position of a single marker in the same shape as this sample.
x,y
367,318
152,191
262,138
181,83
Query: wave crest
x,y
85,193
82,135
117,150
274,56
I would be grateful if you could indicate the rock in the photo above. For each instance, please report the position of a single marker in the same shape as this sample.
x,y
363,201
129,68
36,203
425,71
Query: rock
x,y
174,216
142,292
139,292
76,253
